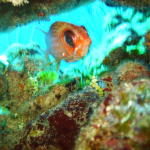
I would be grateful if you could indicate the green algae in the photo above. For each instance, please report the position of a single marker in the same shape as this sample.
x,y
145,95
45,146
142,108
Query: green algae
x,y
47,77
4,111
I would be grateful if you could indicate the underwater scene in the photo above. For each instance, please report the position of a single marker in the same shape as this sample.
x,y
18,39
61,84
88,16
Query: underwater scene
x,y
75,74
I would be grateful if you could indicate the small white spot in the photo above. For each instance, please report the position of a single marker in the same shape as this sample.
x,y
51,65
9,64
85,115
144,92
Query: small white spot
x,y
3,59
63,54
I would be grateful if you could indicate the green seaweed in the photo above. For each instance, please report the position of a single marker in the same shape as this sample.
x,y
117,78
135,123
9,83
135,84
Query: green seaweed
x,y
47,77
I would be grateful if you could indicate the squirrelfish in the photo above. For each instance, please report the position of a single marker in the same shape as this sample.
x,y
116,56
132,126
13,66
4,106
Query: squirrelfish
x,y
67,41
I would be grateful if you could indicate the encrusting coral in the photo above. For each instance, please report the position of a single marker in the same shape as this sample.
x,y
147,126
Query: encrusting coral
x,y
27,58
131,70
132,3
23,11
24,109
58,128
3,87
56,120
121,121
147,40
95,85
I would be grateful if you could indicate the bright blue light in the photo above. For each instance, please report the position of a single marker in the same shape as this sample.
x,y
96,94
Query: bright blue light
x,y
89,15
94,16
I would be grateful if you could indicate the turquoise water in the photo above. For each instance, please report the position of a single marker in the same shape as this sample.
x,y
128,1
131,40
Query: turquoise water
x,y
95,16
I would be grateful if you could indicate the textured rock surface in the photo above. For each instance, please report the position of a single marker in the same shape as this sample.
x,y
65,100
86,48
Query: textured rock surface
x,y
133,3
121,122
58,128
147,40
3,87
131,70
32,10
24,111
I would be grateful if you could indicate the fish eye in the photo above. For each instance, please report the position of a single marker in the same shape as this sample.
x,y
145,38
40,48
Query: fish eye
x,y
68,35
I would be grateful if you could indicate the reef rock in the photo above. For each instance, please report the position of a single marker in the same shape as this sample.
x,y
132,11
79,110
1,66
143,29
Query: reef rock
x,y
120,55
26,58
59,127
24,11
3,87
2,67
20,87
147,40
132,3
131,70
22,111
120,122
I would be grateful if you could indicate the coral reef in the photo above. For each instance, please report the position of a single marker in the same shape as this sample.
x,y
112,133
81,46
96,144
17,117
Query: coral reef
x,y
3,82
16,2
24,93
3,87
28,11
132,3
114,108
25,109
95,85
103,106
120,122
121,54
131,70
20,86
29,58
50,99
58,128
134,47
2,67
147,40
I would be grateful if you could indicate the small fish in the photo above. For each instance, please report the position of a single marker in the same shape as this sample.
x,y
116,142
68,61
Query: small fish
x,y
67,41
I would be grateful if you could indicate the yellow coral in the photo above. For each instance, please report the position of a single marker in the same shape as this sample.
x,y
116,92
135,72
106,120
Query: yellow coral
x,y
95,85
36,133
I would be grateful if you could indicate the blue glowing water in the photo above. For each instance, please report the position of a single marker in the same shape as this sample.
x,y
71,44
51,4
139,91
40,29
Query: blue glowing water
x,y
94,16
89,15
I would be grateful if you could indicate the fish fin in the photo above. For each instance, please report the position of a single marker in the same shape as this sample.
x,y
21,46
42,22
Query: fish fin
x,y
42,50
41,30
57,61
47,57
